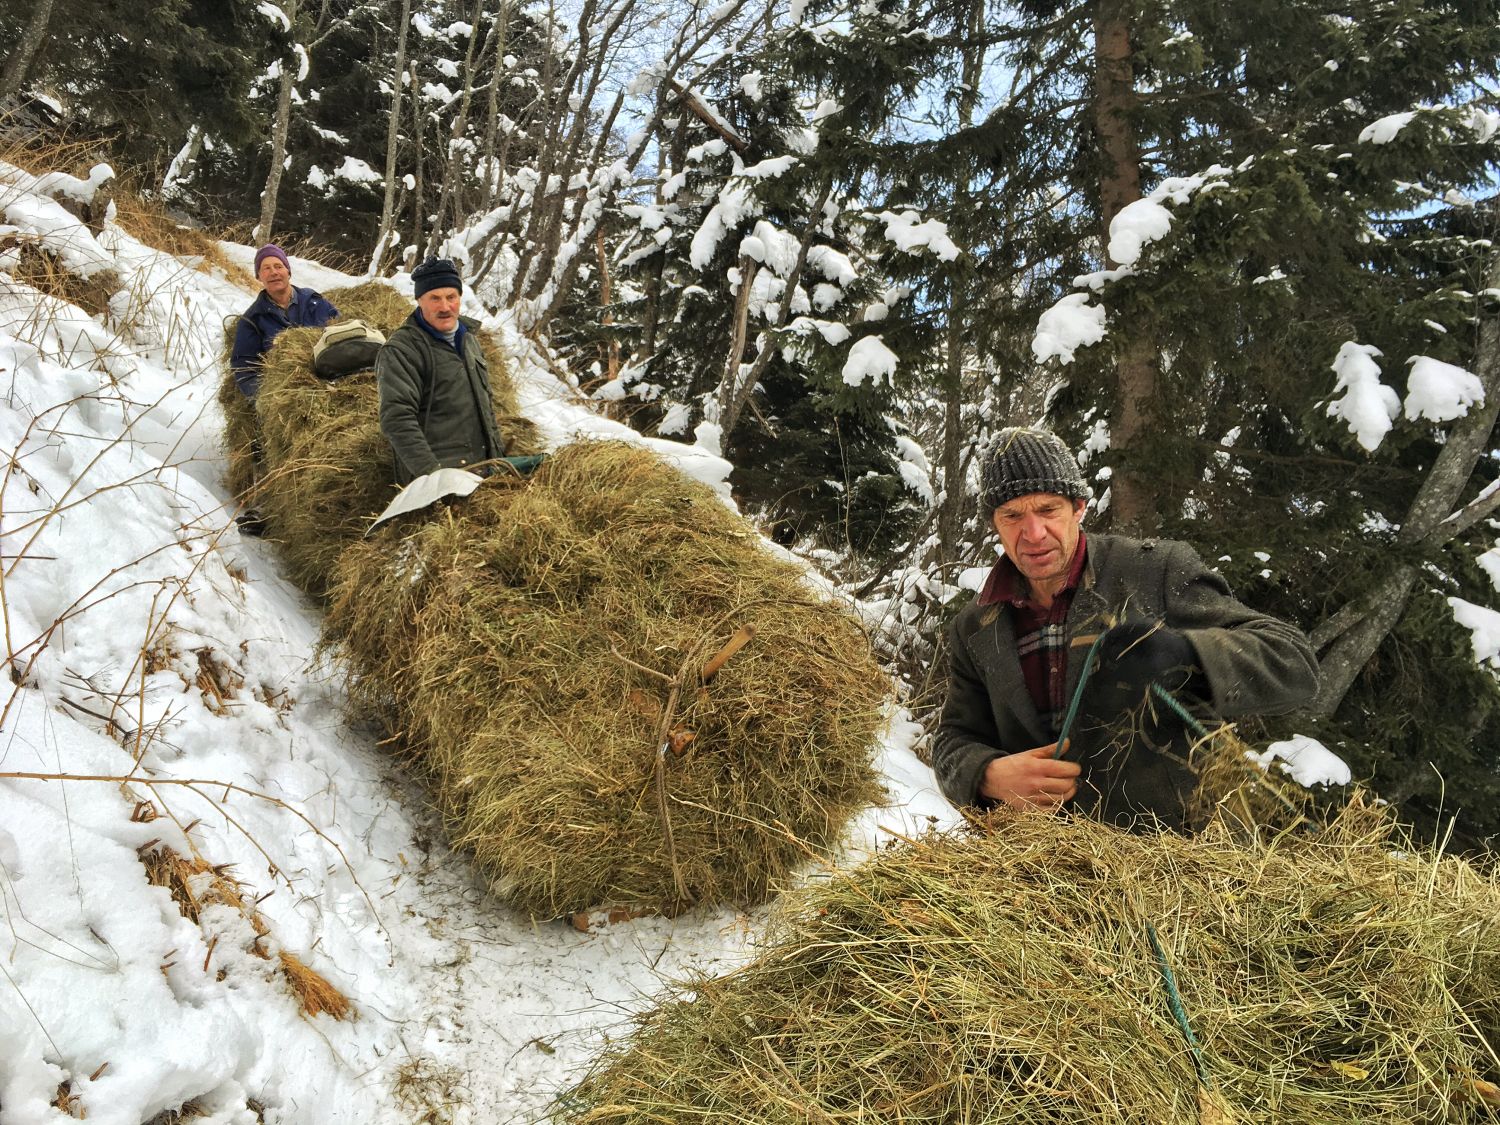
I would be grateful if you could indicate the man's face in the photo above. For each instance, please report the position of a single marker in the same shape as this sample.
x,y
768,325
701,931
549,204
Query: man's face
x,y
275,278
440,308
1039,532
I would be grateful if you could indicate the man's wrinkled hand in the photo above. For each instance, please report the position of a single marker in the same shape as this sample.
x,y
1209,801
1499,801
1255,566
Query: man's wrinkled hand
x,y
1031,779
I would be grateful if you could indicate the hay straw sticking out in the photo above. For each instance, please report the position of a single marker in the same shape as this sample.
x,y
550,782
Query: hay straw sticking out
x,y
194,883
313,991
537,644
45,270
1338,976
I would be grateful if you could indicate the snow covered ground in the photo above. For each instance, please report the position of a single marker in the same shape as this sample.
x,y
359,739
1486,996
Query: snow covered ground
x,y
163,689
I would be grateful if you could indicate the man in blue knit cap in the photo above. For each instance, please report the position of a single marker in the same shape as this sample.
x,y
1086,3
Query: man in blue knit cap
x,y
1017,654
435,404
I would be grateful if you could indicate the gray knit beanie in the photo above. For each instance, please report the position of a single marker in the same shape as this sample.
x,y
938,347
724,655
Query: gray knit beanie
x,y
1021,461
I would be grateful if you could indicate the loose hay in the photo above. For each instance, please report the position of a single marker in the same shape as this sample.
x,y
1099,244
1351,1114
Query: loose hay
x,y
313,991
195,884
535,646
325,467
1342,976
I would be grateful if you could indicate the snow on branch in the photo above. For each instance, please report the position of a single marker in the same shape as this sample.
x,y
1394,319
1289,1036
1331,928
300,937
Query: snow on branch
x,y
1070,324
1368,407
1440,392
1147,220
869,361
911,235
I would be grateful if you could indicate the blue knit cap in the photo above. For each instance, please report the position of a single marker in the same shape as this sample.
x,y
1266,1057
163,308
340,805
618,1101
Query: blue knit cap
x,y
436,273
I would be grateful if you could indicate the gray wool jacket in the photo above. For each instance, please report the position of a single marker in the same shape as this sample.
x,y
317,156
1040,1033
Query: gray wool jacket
x,y
435,405
1255,665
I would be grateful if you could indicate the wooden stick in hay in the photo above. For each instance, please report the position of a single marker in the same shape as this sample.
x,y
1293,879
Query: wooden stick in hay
x,y
1340,977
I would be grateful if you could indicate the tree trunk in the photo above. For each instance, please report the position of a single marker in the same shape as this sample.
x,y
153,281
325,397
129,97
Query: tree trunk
x,y
453,164
606,302
1430,522
955,505
180,170
729,381
19,63
392,136
492,110
1131,505
417,203
279,131
745,385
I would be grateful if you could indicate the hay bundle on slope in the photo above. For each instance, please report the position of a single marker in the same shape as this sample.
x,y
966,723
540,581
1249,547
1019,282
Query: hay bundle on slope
x,y
325,467
239,426
1326,978
538,643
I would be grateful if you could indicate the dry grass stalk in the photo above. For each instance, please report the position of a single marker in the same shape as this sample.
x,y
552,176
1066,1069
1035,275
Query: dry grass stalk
x,y
539,645
69,1103
326,468
43,270
429,1093
22,145
194,884
1338,976
191,1110
312,989
147,221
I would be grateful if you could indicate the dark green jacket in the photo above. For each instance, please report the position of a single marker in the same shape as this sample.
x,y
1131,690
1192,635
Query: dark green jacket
x,y
1255,665
435,405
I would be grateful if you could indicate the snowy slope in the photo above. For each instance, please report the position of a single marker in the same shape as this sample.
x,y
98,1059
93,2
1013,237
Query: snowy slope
x,y
163,689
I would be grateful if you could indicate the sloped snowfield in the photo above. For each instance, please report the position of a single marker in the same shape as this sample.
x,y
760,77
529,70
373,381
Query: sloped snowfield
x,y
163,690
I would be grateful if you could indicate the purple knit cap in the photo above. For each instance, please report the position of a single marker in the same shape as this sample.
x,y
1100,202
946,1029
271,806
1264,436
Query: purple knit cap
x,y
271,250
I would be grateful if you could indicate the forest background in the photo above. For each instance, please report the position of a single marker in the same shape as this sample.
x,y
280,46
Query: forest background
x,y
1240,255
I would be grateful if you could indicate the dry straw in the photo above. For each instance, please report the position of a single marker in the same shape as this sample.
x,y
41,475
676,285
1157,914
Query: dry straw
x,y
194,884
325,468
540,649
1334,976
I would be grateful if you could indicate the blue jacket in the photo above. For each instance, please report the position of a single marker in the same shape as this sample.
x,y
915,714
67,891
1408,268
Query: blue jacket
x,y
263,321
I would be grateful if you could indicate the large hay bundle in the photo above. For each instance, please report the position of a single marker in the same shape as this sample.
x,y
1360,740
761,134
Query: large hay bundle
x,y
325,467
538,644
1331,977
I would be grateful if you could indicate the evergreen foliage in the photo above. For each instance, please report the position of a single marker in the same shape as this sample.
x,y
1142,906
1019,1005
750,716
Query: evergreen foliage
x,y
144,73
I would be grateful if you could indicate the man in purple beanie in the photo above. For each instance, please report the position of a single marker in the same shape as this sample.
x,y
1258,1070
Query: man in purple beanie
x,y
281,305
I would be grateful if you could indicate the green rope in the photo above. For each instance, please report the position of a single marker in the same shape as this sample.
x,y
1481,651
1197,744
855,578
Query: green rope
x,y
1174,1001
1179,710
1090,662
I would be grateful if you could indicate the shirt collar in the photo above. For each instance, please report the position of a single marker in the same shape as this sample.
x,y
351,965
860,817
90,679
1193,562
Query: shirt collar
x,y
1006,584
457,343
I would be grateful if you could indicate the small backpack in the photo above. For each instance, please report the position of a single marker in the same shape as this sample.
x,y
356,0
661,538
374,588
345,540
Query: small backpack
x,y
345,348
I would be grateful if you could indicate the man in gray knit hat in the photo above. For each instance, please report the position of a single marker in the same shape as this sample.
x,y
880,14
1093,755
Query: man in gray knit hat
x,y
1018,651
